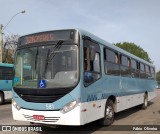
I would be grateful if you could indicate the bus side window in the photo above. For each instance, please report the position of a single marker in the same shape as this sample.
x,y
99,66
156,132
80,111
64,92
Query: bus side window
x,y
111,62
153,72
142,71
91,66
85,64
125,66
134,68
6,73
148,72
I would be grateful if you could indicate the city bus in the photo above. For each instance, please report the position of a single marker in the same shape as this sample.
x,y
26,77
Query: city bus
x,y
6,77
72,77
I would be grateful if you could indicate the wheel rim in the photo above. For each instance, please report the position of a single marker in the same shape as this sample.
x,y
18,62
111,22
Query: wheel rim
x,y
109,112
0,99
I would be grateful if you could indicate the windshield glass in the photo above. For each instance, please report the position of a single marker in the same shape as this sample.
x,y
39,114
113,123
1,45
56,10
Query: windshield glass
x,y
53,66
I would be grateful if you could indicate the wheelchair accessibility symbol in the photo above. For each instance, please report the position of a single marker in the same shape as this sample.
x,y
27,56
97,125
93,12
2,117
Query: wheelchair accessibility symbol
x,y
41,83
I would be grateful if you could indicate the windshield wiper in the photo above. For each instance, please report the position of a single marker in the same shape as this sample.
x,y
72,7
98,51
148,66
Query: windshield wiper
x,y
57,47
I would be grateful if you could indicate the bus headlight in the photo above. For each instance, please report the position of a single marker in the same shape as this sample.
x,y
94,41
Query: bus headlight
x,y
15,105
70,106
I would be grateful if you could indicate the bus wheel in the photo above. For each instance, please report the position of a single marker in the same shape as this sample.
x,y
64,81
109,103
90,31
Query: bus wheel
x,y
1,98
108,115
145,102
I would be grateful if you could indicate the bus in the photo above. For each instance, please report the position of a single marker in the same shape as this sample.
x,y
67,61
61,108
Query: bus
x,y
6,76
73,78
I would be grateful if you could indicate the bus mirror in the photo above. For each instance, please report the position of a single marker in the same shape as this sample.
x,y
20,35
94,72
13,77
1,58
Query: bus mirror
x,y
92,53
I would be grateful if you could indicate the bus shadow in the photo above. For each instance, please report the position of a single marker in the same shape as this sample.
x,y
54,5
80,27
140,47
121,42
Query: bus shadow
x,y
91,127
86,129
130,111
7,102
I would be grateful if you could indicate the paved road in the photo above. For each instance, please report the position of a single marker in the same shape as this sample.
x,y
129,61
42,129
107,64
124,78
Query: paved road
x,y
133,116
5,112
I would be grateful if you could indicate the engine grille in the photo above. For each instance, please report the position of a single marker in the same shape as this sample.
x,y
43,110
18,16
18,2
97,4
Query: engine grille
x,y
41,98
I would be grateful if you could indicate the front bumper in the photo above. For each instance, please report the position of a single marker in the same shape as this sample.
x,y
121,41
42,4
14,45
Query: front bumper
x,y
72,117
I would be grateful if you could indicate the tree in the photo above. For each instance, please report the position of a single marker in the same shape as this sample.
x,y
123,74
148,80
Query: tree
x,y
134,49
9,47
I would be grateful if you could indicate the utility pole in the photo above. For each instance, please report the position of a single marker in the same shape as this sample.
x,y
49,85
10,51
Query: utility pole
x,y
1,42
1,33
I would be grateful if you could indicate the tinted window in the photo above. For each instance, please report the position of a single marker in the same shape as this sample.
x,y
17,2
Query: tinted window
x,y
125,66
133,64
142,71
148,72
6,73
134,68
124,60
111,56
142,67
153,72
92,71
111,61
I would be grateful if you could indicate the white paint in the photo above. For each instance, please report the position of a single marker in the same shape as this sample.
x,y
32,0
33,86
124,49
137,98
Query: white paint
x,y
95,110
7,95
125,102
51,117
77,116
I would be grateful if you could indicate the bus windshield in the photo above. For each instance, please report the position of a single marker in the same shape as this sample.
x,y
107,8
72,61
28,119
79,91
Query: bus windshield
x,y
55,64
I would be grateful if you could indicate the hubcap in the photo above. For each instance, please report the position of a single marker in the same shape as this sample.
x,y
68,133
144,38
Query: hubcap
x,y
109,112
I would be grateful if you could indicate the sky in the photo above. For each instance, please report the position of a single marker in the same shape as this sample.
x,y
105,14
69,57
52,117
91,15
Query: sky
x,y
136,21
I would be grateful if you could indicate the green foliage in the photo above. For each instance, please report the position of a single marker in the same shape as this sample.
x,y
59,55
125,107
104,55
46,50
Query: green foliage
x,y
134,49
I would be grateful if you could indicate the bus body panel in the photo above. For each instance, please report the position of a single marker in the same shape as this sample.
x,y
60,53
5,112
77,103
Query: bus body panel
x,y
128,92
6,76
43,106
8,95
125,102
60,103
51,117
6,85
80,115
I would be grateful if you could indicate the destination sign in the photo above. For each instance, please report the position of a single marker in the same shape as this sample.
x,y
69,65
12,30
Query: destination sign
x,y
39,38
50,36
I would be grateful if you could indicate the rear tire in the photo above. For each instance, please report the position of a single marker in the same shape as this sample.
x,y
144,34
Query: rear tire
x,y
108,114
145,102
1,98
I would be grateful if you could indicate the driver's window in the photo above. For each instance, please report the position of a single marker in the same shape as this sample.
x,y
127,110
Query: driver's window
x,y
91,53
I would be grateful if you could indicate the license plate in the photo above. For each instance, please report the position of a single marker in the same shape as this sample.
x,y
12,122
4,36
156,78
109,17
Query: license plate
x,y
39,117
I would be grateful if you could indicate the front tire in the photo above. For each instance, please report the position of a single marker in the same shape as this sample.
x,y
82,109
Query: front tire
x,y
1,98
108,115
